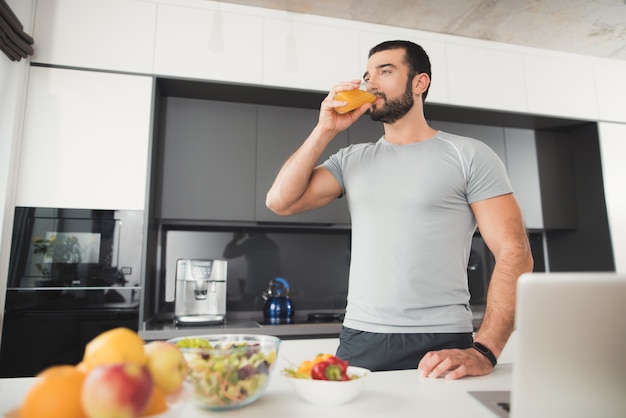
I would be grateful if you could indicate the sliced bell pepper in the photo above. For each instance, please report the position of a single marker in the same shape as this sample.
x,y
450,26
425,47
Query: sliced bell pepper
x,y
343,365
331,369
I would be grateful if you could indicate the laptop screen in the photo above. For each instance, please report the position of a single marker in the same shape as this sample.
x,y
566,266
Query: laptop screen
x,y
569,358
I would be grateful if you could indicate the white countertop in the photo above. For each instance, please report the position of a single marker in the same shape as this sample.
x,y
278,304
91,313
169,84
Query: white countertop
x,y
398,393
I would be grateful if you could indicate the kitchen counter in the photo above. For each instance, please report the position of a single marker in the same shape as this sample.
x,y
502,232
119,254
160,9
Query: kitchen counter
x,y
167,330
397,393
250,324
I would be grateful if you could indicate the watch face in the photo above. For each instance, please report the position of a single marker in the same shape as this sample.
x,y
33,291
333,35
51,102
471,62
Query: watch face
x,y
486,352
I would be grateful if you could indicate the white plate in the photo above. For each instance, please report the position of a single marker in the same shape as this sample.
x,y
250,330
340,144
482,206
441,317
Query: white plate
x,y
325,392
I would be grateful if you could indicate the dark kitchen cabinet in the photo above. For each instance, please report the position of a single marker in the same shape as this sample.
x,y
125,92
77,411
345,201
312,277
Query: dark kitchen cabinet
x,y
209,167
220,158
280,132
365,130
54,337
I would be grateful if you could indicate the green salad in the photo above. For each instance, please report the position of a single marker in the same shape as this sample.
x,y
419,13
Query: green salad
x,y
226,374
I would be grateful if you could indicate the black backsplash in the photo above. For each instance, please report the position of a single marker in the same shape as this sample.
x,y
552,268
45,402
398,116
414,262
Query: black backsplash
x,y
314,261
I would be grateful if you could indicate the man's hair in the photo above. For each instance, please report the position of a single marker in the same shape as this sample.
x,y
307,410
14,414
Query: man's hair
x,y
414,56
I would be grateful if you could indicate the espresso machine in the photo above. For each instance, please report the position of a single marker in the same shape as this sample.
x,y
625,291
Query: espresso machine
x,y
200,297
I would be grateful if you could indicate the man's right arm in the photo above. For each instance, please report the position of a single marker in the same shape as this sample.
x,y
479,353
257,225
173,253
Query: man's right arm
x,y
301,185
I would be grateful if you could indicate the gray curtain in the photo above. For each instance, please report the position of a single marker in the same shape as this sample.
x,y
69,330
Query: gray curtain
x,y
14,42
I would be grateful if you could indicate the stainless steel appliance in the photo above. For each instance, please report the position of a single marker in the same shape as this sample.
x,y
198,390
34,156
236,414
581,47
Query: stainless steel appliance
x,y
200,291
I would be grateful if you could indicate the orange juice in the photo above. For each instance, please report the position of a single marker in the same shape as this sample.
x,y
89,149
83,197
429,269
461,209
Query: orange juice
x,y
355,99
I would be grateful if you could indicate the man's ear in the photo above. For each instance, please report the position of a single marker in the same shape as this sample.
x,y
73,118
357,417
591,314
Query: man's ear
x,y
420,83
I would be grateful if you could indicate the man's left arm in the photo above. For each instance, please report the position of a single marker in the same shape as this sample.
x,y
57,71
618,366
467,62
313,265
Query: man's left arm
x,y
501,226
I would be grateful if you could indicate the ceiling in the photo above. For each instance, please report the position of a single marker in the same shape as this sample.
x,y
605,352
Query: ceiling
x,y
587,27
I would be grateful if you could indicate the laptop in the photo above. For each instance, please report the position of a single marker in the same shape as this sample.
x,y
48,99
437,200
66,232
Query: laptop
x,y
570,355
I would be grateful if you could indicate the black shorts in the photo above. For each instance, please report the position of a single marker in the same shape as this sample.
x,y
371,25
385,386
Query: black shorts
x,y
378,351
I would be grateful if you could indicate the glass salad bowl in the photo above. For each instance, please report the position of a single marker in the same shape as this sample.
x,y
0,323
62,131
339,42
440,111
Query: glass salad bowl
x,y
228,371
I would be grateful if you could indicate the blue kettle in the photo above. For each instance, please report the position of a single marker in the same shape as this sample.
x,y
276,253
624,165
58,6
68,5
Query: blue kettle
x,y
278,308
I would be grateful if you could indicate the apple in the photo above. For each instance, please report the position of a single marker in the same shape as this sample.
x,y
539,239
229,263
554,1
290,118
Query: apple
x,y
167,365
119,390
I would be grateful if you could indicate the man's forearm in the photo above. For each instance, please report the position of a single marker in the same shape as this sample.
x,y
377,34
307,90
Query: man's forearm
x,y
294,176
499,320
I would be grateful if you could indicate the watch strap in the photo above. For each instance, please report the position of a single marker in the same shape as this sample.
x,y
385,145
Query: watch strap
x,y
485,352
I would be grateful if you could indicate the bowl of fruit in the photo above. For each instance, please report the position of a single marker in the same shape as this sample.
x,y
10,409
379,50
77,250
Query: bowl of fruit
x,y
326,380
228,371
120,375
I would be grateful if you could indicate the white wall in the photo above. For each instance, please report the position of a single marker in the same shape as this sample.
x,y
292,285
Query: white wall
x,y
13,78
613,150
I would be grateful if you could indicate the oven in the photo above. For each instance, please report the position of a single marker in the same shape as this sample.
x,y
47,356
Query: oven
x,y
73,273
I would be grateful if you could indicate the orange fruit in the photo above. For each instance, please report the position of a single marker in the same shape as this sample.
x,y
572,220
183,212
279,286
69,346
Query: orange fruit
x,y
305,367
117,345
56,394
157,403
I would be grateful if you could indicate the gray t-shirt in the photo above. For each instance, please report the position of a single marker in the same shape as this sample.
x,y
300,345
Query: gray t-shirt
x,y
412,228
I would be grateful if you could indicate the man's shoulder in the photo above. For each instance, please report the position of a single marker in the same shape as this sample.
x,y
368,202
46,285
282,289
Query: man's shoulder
x,y
464,143
358,147
361,145
454,138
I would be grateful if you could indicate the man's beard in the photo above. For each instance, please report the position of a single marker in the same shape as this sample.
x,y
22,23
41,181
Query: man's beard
x,y
394,109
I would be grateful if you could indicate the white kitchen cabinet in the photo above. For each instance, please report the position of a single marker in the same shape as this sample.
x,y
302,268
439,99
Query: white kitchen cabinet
x,y
485,77
208,160
610,83
85,140
309,56
107,35
280,132
560,85
208,43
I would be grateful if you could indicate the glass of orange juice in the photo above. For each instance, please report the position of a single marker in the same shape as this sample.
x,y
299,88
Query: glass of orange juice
x,y
355,98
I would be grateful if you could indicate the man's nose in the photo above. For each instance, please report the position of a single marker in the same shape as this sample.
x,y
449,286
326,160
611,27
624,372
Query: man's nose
x,y
370,86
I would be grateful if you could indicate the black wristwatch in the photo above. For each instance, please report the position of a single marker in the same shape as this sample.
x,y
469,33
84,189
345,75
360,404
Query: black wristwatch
x,y
486,352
